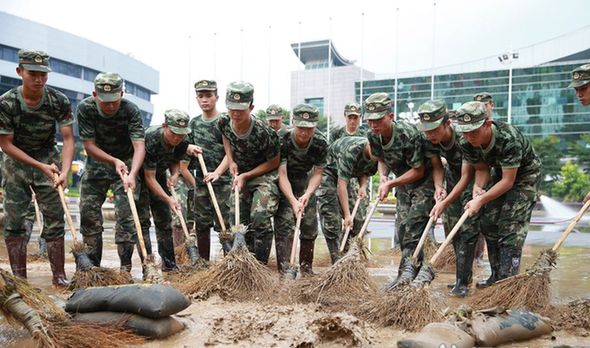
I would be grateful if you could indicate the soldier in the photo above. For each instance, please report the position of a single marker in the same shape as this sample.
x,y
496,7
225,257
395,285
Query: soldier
x,y
253,150
274,118
508,203
303,158
348,157
487,99
450,187
580,83
206,134
165,147
111,129
28,115
400,149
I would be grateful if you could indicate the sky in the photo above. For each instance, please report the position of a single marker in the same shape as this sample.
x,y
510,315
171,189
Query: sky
x,y
251,40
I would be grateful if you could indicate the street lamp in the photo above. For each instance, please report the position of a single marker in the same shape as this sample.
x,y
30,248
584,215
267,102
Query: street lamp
x,y
508,58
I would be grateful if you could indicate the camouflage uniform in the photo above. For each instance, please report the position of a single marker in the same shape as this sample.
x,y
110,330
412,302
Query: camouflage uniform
x,y
504,221
346,160
403,152
300,162
158,158
206,134
33,131
275,112
114,135
260,197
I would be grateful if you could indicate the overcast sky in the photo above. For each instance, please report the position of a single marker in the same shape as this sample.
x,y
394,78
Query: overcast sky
x,y
250,40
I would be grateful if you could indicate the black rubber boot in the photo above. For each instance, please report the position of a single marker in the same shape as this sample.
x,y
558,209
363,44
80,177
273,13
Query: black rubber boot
x,y
306,257
166,251
470,280
333,246
125,251
509,261
17,255
406,270
494,258
262,248
56,255
204,244
464,264
283,251
94,247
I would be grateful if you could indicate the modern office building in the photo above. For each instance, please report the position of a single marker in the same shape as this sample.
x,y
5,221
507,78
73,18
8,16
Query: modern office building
x,y
75,62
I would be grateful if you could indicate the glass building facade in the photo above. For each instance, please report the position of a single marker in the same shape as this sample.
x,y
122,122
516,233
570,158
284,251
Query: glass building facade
x,y
542,104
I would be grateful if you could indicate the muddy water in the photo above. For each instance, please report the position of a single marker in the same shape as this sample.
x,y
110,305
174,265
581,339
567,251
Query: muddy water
x,y
215,322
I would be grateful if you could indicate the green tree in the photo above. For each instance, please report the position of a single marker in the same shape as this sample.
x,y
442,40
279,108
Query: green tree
x,y
547,148
581,149
574,184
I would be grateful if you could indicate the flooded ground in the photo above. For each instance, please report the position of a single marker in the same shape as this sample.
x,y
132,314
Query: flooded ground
x,y
215,322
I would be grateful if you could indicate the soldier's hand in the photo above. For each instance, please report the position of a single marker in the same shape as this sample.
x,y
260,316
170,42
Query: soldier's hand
x,y
129,182
473,206
194,150
348,221
362,194
49,170
477,191
303,200
239,182
174,205
211,177
233,169
296,206
383,190
440,194
62,180
121,168
438,209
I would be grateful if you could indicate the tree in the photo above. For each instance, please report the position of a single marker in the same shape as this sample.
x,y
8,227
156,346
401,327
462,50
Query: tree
x,y
574,183
547,148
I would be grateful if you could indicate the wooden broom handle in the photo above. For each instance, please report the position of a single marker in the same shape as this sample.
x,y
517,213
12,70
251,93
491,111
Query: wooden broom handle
x,y
449,237
131,200
296,238
37,210
423,238
367,220
179,213
347,231
212,193
571,226
237,206
62,197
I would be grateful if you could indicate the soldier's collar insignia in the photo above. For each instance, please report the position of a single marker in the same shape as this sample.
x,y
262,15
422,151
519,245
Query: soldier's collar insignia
x,y
426,117
305,115
236,96
107,88
38,59
371,107
576,75
466,118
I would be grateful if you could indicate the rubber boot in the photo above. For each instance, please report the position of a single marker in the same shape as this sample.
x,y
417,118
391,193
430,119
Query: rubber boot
x,y
204,244
406,270
17,255
283,251
470,280
333,246
28,225
56,255
306,257
94,247
125,251
262,248
494,258
464,264
509,261
166,251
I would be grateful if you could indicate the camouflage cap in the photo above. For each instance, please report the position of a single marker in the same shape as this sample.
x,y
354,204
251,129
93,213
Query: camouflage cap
x,y
377,105
352,109
432,113
452,114
580,76
483,97
275,112
470,116
178,121
305,115
34,60
108,86
205,85
239,95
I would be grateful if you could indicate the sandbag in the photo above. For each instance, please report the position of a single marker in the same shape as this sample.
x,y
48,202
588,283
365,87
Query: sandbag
x,y
436,335
152,328
510,326
149,300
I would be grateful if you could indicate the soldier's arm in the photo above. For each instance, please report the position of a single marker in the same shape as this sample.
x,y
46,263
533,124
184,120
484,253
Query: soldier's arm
x,y
285,185
67,153
314,181
138,156
342,191
98,154
155,188
262,168
363,182
7,145
231,163
186,174
501,187
438,176
466,177
410,176
482,176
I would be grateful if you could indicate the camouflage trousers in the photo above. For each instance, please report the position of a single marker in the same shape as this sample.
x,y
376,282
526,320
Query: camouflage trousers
x,y
97,179
182,193
204,212
284,220
259,202
470,230
330,212
361,212
413,212
17,196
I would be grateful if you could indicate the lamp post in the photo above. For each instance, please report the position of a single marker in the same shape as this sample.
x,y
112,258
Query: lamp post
x,y
508,58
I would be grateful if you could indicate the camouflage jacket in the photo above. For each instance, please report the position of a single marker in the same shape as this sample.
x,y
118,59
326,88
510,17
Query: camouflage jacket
x,y
158,156
206,134
508,149
341,132
258,145
404,151
452,153
34,129
346,159
300,161
112,134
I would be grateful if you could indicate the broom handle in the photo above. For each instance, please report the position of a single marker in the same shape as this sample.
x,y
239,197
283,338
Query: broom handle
x,y
37,210
423,238
131,200
237,206
347,231
449,237
179,213
367,220
212,193
296,238
62,197
571,226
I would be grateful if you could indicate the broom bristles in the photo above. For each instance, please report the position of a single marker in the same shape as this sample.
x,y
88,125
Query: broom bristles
x,y
99,276
447,260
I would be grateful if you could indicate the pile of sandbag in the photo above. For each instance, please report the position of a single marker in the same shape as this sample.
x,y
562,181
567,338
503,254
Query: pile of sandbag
x,y
146,309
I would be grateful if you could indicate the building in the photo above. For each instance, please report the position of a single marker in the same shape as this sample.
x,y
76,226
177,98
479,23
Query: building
x,y
75,62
